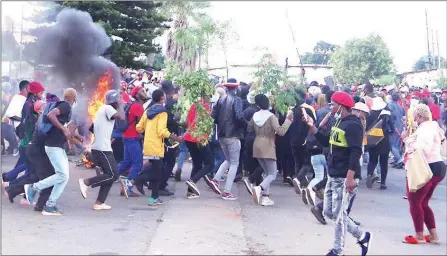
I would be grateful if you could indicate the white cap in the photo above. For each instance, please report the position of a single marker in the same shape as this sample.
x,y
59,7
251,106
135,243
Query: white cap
x,y
404,89
361,107
378,103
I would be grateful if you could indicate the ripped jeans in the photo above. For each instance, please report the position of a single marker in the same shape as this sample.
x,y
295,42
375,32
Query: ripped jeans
x,y
336,206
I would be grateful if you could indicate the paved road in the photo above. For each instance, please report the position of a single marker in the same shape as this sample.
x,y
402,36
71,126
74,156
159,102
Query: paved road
x,y
210,225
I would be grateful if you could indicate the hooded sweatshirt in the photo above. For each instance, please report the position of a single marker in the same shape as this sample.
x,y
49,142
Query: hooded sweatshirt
x,y
266,126
345,146
154,127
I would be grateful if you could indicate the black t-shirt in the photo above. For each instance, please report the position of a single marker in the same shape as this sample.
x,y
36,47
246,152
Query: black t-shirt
x,y
56,137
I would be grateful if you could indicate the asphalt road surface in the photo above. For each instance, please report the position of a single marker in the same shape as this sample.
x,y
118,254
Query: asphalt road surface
x,y
210,225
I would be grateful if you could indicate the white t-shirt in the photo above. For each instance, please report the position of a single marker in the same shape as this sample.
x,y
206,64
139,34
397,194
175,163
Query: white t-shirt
x,y
15,108
103,127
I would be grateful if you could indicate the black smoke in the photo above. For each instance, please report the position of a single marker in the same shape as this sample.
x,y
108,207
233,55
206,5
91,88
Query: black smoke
x,y
73,47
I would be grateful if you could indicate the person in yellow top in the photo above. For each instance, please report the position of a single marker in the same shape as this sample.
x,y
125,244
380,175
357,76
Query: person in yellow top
x,y
362,111
154,126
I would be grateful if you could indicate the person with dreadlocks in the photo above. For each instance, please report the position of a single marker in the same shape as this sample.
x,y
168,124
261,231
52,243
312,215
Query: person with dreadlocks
x,y
344,171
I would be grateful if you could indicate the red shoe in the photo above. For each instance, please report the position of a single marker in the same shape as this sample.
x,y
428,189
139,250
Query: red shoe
x,y
428,240
228,196
214,185
413,240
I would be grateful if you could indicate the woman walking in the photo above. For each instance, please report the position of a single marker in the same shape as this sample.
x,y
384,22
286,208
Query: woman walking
x,y
265,124
427,138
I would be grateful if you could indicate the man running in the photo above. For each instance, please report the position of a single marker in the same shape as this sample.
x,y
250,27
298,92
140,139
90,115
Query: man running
x,y
54,147
102,150
344,171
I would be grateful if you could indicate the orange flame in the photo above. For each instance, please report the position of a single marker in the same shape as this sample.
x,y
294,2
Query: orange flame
x,y
96,102
98,99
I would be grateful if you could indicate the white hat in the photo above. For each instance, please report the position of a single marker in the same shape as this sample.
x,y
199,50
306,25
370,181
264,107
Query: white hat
x,y
251,97
314,91
361,107
378,103
404,89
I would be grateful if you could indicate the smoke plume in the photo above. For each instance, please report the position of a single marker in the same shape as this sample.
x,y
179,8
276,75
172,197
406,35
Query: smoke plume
x,y
73,47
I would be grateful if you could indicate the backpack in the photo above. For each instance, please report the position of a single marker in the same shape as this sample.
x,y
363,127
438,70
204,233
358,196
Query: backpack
x,y
43,124
311,142
122,125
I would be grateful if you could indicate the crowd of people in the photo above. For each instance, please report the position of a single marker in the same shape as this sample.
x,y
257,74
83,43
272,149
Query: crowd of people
x,y
319,146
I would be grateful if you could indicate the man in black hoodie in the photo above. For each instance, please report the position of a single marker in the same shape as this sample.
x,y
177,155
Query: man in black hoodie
x,y
344,171
301,155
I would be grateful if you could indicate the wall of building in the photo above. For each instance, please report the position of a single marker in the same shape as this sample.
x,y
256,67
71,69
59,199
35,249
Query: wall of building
x,y
424,77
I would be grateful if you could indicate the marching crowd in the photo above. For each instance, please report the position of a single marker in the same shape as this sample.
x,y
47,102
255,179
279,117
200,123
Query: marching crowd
x,y
319,146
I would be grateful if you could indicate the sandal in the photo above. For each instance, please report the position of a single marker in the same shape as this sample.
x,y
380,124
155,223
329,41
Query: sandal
x,y
413,240
428,240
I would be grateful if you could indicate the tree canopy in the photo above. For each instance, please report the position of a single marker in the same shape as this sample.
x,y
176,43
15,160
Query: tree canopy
x,y
362,59
321,54
132,25
424,63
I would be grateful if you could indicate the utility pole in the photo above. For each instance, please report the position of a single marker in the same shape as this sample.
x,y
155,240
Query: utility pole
x,y
428,43
10,57
439,54
433,49
21,45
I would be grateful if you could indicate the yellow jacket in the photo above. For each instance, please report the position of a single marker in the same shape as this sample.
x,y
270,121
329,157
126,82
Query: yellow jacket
x,y
155,131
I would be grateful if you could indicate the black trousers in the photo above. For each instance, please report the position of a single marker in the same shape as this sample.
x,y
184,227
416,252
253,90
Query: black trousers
x,y
152,173
242,154
285,160
169,163
104,181
376,157
202,160
251,164
302,158
9,135
118,149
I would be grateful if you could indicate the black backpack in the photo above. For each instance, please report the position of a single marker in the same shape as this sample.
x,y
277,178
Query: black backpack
x,y
43,124
311,142
122,125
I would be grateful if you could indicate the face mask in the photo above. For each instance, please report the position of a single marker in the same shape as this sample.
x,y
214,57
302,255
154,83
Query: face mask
x,y
338,114
413,102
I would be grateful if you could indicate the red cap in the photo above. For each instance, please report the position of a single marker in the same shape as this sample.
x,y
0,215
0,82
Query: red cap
x,y
35,87
417,94
343,99
231,85
425,93
135,90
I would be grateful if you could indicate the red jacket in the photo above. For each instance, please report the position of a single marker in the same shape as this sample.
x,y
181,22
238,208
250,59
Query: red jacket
x,y
191,122
435,111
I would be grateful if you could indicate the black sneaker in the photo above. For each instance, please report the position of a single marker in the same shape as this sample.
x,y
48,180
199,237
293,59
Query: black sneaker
x,y
318,215
191,195
11,199
38,208
165,192
289,181
178,175
369,181
237,178
207,180
304,196
4,179
383,187
365,243
332,253
193,187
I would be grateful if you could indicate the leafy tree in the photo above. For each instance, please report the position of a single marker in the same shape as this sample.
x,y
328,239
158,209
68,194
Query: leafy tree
x,y
320,55
424,63
135,23
10,47
159,62
360,60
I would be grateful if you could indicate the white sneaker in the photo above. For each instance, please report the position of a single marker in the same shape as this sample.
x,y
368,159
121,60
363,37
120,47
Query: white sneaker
x,y
100,207
248,185
256,192
296,185
83,188
266,201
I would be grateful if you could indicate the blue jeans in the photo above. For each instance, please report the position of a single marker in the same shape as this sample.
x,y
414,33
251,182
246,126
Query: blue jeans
x,y
182,155
219,157
59,180
12,175
319,164
395,148
133,158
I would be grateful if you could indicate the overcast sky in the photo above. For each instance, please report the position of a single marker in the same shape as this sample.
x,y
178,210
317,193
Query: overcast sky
x,y
263,24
